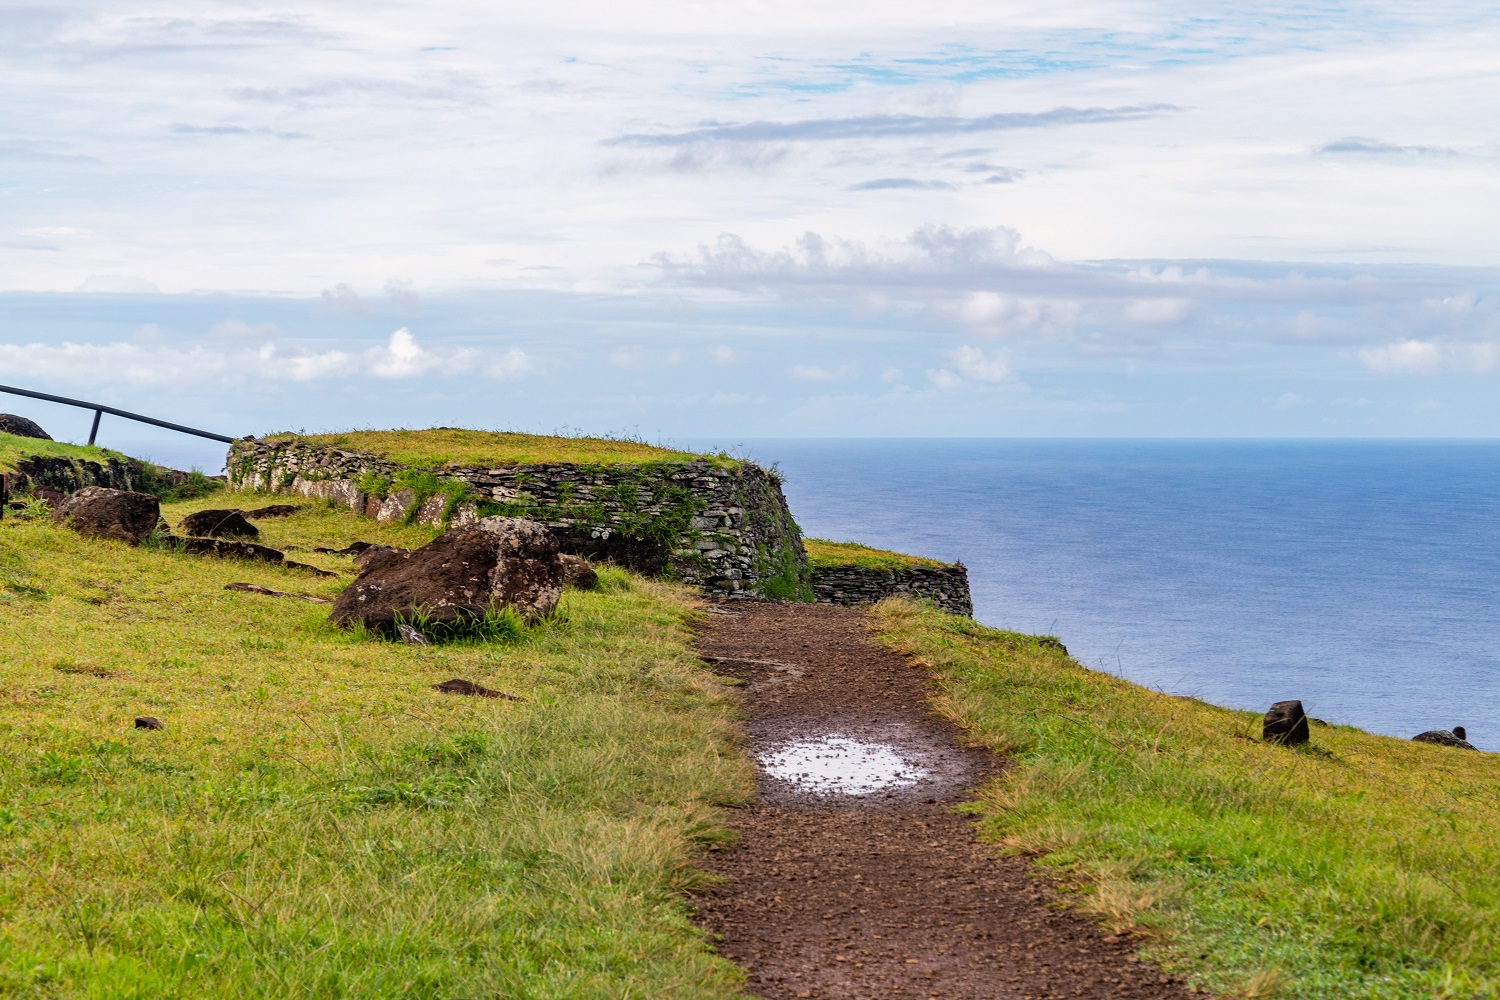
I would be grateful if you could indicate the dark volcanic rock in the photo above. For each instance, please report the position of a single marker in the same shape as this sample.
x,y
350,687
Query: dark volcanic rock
x,y
147,722
1286,723
1443,737
465,572
578,573
22,427
218,524
460,686
101,512
275,510
227,547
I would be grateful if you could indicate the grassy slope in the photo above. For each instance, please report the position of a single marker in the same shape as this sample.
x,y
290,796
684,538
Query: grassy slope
x,y
823,554
1360,866
314,820
492,449
13,449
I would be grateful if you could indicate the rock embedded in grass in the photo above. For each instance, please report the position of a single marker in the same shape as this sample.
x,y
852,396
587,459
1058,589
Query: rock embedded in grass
x,y
275,510
578,573
147,722
100,512
1447,738
460,686
218,524
463,573
1286,724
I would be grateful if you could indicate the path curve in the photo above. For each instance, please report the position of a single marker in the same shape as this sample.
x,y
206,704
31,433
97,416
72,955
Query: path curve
x,y
852,877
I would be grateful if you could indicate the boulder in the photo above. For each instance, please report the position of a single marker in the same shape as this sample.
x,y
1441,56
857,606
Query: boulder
x,y
225,547
1444,737
275,510
1285,723
21,427
101,512
218,524
465,572
578,573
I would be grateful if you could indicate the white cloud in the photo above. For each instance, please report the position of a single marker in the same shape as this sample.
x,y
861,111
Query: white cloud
x,y
723,355
817,373
1288,401
1411,357
973,367
151,361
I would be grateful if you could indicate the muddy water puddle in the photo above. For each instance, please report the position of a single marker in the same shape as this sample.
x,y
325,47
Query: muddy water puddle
x,y
838,765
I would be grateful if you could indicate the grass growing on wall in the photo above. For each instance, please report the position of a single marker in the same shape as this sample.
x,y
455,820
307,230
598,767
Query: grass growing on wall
x,y
14,448
1359,866
823,554
458,447
314,820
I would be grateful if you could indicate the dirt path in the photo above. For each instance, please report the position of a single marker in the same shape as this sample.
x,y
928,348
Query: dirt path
x,y
852,877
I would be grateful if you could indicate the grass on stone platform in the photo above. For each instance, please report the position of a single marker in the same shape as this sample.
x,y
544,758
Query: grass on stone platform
x,y
314,820
458,447
13,448
1357,866
823,554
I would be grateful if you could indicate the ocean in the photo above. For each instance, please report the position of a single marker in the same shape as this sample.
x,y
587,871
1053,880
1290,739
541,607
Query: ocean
x,y
1362,578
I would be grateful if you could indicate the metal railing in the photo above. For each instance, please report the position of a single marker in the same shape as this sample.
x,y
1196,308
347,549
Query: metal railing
x,y
100,409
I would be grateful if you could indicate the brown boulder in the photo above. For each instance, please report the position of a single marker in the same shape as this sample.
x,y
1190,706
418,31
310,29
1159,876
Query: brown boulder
x,y
101,512
578,573
218,524
1285,723
462,573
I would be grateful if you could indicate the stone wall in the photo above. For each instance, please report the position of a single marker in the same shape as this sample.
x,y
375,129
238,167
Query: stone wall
x,y
68,475
947,587
726,529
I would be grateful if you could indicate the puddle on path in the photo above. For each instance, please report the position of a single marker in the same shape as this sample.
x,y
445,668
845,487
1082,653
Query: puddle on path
x,y
838,765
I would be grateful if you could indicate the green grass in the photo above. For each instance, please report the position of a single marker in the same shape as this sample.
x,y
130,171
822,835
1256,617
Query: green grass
x,y
314,820
14,448
1358,866
822,554
457,447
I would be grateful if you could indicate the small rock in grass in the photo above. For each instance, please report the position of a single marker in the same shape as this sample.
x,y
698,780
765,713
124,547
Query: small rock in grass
x,y
275,510
1286,724
218,524
100,512
577,572
352,549
1052,642
411,636
251,588
147,722
459,686
1444,737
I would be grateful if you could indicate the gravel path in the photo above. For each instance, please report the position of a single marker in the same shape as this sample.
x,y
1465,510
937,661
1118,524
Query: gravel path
x,y
852,876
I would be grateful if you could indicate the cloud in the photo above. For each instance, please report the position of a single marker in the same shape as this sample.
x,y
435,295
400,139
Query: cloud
x,y
235,130
1287,401
149,361
890,126
901,184
117,284
1360,144
1412,357
973,367
816,373
724,355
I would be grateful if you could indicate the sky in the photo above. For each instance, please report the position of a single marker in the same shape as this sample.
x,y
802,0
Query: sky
x,y
755,219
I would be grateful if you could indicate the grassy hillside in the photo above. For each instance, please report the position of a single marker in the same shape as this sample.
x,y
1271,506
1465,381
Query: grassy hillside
x,y
14,448
314,820
822,554
1355,867
452,446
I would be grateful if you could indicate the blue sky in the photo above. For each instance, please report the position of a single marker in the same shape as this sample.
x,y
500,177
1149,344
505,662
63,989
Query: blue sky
x,y
757,219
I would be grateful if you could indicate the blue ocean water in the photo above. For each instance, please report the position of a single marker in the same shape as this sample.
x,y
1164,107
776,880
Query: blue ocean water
x,y
1362,578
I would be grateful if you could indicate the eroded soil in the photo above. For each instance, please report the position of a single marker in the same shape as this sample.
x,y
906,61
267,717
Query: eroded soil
x,y
885,893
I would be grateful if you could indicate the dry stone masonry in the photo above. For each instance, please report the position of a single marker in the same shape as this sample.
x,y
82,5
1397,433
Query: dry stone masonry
x,y
725,528
946,586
